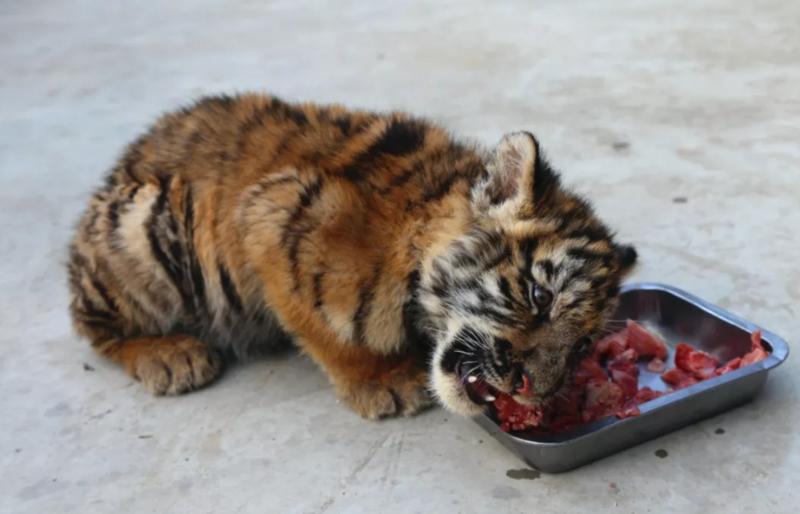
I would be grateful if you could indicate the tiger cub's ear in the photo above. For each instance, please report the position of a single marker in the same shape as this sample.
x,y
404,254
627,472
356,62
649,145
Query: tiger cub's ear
x,y
507,191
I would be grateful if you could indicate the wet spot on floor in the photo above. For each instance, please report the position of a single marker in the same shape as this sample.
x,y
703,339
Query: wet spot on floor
x,y
504,492
680,199
620,145
661,453
719,431
523,474
87,367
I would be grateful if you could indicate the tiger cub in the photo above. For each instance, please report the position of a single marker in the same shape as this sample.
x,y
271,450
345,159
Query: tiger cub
x,y
407,264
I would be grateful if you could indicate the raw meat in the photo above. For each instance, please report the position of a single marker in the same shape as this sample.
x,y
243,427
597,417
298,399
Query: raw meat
x,y
515,416
678,378
644,343
757,351
607,382
697,362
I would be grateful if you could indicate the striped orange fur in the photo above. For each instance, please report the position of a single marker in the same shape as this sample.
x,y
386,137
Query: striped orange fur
x,y
245,222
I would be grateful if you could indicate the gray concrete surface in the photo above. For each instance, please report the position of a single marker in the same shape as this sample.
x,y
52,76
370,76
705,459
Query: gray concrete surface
x,y
638,102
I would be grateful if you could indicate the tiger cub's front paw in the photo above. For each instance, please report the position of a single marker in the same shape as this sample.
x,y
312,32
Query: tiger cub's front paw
x,y
402,395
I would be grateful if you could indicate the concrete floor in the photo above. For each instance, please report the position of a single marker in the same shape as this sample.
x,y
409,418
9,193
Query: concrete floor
x,y
639,103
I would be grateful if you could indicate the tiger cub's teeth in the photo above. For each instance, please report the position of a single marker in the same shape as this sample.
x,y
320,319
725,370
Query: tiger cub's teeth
x,y
489,398
472,379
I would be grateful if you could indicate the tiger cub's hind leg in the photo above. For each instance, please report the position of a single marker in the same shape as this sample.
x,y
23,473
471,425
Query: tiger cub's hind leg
x,y
165,364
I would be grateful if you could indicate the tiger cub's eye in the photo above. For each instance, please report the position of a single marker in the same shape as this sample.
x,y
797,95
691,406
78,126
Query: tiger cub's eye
x,y
540,296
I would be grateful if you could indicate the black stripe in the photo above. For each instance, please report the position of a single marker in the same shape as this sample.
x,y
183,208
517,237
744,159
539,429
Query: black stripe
x,y
294,232
413,317
401,179
317,284
198,284
399,138
437,193
464,260
113,216
225,102
527,247
169,260
488,312
547,267
503,255
111,181
104,294
98,324
188,210
592,233
365,296
286,111
89,310
443,188
263,186
589,255
598,282
229,288
133,191
195,269
256,118
505,289
343,123
170,266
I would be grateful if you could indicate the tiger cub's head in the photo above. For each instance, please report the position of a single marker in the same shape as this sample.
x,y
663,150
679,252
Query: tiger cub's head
x,y
516,300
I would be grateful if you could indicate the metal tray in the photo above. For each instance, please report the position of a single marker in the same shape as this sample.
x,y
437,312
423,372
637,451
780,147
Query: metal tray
x,y
677,316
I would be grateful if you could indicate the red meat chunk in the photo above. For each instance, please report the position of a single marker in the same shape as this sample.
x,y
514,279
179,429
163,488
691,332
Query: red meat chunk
x,y
602,399
678,378
697,362
729,366
515,416
625,373
645,343
646,394
611,345
757,352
